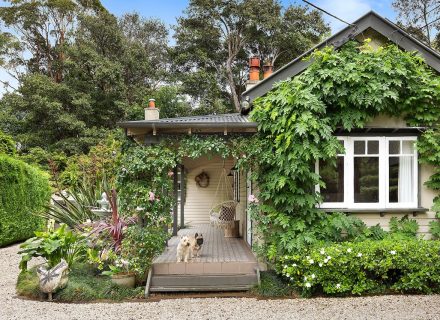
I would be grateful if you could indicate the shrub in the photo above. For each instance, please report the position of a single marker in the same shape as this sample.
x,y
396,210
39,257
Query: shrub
x,y
23,191
7,144
407,265
53,246
140,246
272,285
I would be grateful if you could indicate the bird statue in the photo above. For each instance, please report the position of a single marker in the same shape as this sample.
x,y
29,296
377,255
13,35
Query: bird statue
x,y
53,279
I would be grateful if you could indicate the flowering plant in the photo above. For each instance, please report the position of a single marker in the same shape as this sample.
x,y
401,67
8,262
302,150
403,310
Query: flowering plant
x,y
410,265
119,266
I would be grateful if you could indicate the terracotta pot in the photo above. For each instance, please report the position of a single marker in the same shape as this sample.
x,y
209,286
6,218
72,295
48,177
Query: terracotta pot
x,y
127,280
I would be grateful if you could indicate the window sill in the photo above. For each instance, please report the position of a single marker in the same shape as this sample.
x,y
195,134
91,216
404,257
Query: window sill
x,y
382,212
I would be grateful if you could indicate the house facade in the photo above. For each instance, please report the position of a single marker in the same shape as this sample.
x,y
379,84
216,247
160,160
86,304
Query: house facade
x,y
377,178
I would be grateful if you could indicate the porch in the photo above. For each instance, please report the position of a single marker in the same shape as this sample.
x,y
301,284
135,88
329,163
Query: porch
x,y
225,264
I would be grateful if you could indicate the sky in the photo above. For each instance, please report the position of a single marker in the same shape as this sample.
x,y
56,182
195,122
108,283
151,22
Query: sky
x,y
169,10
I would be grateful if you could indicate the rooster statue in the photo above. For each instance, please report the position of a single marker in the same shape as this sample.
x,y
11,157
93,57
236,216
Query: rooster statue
x,y
53,279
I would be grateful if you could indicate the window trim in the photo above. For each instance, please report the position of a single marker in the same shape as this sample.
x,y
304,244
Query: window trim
x,y
383,175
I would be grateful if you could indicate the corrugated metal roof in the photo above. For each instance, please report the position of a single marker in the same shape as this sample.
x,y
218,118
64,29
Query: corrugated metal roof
x,y
229,119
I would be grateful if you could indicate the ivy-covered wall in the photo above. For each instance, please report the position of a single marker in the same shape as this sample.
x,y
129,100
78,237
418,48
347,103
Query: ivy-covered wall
x,y
297,119
23,190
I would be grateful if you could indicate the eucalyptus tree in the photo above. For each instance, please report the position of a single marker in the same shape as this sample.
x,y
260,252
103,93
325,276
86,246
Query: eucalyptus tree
x,y
214,39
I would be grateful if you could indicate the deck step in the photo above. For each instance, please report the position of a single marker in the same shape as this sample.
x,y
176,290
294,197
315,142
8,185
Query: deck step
x,y
216,282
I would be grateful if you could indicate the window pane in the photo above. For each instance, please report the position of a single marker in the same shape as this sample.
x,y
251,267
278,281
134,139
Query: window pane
x,y
366,179
401,179
407,147
359,147
394,147
333,178
373,147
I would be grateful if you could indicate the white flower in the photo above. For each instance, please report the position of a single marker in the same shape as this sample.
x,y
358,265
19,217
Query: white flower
x,y
313,276
349,250
359,254
322,251
286,257
305,278
328,257
307,257
294,265
287,275
320,264
88,221
311,261
393,252
325,260
338,285
308,285
285,266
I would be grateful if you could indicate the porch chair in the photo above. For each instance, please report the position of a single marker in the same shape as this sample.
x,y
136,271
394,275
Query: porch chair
x,y
222,214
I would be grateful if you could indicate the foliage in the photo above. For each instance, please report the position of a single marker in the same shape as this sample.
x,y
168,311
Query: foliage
x,y
340,89
140,245
272,285
420,19
23,190
7,144
74,208
145,183
409,265
214,39
53,246
101,163
405,227
84,285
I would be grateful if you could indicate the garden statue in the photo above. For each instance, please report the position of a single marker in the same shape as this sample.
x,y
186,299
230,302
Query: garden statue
x,y
104,201
53,279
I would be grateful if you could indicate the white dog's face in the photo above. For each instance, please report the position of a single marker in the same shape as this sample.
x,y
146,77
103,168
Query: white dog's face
x,y
184,240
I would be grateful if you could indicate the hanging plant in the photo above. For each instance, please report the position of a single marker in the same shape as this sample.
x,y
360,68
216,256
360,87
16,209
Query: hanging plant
x,y
202,180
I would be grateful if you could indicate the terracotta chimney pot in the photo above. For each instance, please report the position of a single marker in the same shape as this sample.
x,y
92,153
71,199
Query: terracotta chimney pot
x,y
267,70
151,112
254,69
152,103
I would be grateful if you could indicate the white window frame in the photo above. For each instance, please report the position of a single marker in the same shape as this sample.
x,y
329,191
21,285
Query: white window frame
x,y
383,174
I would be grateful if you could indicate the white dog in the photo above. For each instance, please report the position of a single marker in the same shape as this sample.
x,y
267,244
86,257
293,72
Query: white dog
x,y
183,249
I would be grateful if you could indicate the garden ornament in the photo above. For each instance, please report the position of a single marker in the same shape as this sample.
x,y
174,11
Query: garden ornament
x,y
53,279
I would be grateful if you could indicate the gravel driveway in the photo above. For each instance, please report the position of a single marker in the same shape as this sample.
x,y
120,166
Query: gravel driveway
x,y
381,307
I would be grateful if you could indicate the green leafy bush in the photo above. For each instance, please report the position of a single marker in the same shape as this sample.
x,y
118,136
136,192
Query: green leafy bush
x,y
7,144
23,191
140,246
53,246
407,265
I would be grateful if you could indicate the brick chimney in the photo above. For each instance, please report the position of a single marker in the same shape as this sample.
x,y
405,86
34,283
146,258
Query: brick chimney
x,y
151,112
267,69
254,72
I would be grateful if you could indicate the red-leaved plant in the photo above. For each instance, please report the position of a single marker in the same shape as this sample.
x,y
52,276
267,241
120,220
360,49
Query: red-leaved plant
x,y
115,226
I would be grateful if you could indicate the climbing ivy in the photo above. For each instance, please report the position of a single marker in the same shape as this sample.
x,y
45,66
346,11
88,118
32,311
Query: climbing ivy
x,y
340,89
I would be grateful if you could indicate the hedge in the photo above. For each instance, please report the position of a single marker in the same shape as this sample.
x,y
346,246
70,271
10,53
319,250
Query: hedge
x,y
23,190
367,267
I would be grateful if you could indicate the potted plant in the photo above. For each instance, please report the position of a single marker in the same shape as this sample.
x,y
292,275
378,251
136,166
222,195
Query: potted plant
x,y
120,273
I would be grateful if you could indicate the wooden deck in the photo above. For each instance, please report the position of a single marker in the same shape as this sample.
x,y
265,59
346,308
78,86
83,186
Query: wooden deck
x,y
225,264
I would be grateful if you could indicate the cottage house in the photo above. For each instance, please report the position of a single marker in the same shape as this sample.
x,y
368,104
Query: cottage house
x,y
377,178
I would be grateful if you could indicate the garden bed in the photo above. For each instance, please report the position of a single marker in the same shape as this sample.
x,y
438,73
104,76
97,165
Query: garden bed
x,y
84,285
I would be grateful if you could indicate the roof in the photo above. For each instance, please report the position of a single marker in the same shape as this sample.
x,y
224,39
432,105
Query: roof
x,y
222,120
371,20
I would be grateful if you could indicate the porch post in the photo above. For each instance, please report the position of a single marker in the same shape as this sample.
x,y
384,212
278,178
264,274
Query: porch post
x,y
176,190
182,196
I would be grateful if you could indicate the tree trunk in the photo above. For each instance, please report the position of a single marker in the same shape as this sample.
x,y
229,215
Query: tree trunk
x,y
231,82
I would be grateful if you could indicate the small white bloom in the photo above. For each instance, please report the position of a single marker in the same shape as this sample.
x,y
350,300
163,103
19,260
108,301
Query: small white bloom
x,y
325,260
286,257
328,257
307,257
294,265
305,278
308,285
285,266
311,261
359,254
393,252
313,276
287,275
322,251
349,250
320,264
338,285
89,221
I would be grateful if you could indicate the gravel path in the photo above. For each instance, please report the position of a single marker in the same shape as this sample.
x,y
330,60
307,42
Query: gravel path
x,y
381,307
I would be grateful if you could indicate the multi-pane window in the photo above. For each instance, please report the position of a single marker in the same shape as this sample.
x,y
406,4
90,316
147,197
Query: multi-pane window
x,y
374,172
